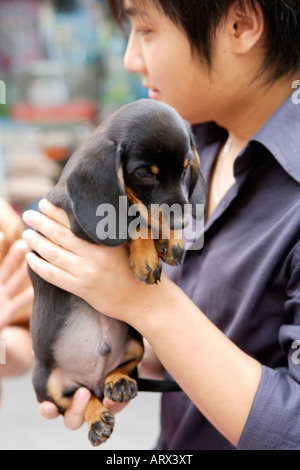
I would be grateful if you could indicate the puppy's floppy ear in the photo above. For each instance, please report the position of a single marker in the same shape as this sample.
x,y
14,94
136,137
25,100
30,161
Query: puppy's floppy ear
x,y
197,189
94,187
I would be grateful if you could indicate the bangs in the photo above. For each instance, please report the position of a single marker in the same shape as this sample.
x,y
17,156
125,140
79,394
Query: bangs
x,y
118,10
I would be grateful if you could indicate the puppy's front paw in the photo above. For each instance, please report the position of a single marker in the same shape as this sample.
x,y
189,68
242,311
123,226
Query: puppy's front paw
x,y
120,389
147,272
144,261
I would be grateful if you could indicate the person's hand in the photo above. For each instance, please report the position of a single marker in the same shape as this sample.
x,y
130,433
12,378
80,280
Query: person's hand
x,y
81,268
16,293
74,416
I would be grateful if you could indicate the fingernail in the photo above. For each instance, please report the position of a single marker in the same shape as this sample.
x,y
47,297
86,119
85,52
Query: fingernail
x,y
30,258
43,204
48,409
30,216
27,235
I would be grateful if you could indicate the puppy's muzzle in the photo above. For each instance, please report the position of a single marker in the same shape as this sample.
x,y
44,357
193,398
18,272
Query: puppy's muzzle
x,y
179,222
173,217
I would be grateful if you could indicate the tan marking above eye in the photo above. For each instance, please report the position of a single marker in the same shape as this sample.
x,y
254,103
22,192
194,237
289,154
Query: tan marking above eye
x,y
154,169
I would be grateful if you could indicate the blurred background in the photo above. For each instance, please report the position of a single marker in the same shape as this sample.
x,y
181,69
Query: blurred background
x,y
61,74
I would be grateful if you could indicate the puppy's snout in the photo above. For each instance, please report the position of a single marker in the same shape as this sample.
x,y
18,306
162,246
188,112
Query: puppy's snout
x,y
179,223
177,217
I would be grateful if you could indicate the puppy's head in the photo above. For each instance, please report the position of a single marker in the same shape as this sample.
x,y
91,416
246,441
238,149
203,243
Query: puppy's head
x,y
156,160
144,152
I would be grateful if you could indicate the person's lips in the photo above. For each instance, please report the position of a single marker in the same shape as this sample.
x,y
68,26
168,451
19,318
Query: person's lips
x,y
153,93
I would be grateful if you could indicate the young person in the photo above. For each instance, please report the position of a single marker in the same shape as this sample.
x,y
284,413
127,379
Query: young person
x,y
228,331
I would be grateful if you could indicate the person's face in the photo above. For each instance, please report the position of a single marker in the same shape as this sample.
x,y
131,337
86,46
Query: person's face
x,y
161,53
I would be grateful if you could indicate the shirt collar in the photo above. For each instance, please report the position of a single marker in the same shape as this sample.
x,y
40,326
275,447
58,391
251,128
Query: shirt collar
x,y
281,136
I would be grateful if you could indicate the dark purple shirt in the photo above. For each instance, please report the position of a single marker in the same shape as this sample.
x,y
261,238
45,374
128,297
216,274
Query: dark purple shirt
x,y
246,279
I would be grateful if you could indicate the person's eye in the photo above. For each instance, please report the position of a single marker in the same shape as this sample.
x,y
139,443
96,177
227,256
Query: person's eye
x,y
143,32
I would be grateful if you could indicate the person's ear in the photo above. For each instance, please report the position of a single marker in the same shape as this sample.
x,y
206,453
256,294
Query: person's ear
x,y
246,26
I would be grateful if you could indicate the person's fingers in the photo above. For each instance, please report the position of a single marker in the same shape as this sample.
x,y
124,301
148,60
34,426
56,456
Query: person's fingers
x,y
54,231
74,416
12,260
48,410
51,273
18,281
2,242
55,213
10,309
50,252
22,300
5,308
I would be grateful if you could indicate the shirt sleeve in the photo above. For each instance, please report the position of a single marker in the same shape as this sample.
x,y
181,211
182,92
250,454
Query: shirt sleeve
x,y
274,420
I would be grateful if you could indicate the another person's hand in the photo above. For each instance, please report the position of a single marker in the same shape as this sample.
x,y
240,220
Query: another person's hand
x,y
16,293
16,297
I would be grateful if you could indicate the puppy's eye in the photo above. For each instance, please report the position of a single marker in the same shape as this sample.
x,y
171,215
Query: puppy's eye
x,y
145,173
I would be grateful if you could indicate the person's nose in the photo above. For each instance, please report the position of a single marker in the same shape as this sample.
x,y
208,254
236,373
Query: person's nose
x,y
133,59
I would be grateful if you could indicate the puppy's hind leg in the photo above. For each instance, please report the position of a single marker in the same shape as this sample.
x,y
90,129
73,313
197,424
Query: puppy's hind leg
x,y
100,422
58,388
119,386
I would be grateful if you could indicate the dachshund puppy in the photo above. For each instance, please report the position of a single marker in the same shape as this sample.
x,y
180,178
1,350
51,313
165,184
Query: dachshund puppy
x,y
136,159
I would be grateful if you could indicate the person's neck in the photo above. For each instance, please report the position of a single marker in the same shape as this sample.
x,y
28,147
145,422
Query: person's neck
x,y
255,110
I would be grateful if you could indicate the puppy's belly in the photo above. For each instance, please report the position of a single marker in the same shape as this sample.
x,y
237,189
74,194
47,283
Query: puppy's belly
x,y
90,346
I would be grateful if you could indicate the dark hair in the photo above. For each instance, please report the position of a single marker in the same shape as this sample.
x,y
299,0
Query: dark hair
x,y
200,19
